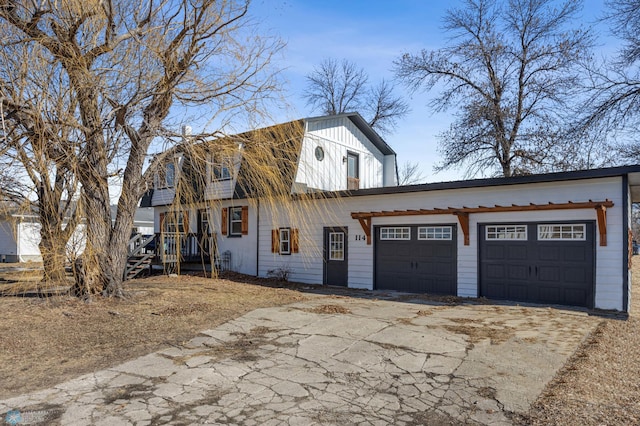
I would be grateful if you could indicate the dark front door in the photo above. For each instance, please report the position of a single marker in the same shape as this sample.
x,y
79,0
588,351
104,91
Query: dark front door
x,y
416,259
205,240
335,256
550,263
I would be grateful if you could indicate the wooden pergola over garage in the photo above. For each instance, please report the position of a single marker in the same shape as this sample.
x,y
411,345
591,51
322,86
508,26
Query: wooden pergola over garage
x,y
463,214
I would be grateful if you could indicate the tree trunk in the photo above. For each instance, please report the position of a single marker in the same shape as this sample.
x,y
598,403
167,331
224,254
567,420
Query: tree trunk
x,y
53,238
117,261
53,254
94,276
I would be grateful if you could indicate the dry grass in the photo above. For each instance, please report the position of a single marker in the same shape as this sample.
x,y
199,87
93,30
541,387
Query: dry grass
x,y
329,309
48,340
600,384
478,333
45,341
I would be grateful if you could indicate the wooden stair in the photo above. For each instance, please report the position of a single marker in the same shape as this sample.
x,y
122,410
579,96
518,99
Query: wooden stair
x,y
137,261
136,264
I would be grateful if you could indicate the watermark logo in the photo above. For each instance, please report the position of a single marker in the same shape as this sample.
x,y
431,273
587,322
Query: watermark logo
x,y
15,417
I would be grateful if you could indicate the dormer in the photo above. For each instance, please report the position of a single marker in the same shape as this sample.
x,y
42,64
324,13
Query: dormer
x,y
164,181
222,169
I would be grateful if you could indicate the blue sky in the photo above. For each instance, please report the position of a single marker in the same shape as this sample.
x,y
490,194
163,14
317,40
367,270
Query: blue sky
x,y
372,34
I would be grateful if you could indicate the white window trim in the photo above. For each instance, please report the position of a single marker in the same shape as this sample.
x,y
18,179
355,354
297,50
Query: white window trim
x,y
438,233
232,221
399,233
331,249
219,166
497,231
282,240
583,227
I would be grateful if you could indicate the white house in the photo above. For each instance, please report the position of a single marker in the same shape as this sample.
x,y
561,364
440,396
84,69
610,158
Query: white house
x,y
20,235
19,238
311,155
558,238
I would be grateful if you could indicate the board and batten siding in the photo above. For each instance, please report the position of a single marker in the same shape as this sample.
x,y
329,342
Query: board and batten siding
x,y
337,136
307,265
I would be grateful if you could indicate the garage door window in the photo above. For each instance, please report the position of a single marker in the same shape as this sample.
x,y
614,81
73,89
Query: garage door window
x,y
395,233
506,232
434,233
562,232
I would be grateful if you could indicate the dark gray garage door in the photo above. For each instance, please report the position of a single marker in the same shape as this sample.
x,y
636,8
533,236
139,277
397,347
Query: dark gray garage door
x,y
550,263
416,259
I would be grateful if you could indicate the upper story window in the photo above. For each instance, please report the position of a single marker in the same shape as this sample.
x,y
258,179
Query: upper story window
x,y
353,165
353,171
166,177
220,170
170,175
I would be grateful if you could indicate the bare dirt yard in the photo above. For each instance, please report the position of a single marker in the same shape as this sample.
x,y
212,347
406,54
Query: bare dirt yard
x,y
47,340
44,341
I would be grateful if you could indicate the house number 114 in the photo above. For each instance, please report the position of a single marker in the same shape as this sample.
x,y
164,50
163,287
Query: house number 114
x,y
360,238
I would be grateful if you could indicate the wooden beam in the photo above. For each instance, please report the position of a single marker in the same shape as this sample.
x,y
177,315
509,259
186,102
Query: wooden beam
x,y
463,214
602,223
366,227
463,218
482,209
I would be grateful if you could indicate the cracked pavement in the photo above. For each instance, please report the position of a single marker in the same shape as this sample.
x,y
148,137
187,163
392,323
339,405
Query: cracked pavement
x,y
332,360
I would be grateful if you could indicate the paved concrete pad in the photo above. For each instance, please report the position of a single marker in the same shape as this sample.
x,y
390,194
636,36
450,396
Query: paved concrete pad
x,y
332,360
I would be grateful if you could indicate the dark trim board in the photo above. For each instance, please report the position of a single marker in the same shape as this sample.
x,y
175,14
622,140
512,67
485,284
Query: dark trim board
x,y
558,272
488,182
625,251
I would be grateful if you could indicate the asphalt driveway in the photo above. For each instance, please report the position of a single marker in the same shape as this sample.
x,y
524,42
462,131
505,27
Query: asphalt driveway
x,y
331,360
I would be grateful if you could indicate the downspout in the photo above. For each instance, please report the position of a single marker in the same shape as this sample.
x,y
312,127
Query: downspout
x,y
258,238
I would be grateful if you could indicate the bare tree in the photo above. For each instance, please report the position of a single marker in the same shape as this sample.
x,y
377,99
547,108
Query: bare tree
x,y
13,192
36,129
127,65
336,88
410,174
510,74
615,85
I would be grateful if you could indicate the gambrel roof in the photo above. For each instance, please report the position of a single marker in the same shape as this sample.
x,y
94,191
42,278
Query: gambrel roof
x,y
268,157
